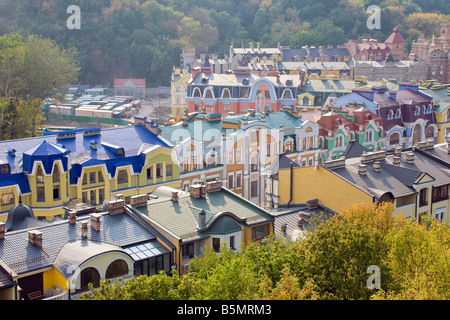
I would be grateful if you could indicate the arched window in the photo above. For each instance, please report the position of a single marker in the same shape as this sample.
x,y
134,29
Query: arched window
x,y
89,275
226,93
306,101
430,108
394,138
208,94
424,108
116,269
197,93
417,134
369,135
417,111
287,94
390,115
338,141
429,133
398,114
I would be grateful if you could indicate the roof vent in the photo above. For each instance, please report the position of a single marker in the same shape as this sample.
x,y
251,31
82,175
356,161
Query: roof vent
x,y
84,229
398,150
362,169
12,152
377,166
174,197
396,160
410,157
202,219
93,144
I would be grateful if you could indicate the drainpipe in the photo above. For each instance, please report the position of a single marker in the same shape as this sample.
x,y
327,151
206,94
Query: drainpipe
x,y
290,191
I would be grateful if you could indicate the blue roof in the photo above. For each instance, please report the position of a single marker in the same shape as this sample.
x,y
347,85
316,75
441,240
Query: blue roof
x,y
132,140
355,97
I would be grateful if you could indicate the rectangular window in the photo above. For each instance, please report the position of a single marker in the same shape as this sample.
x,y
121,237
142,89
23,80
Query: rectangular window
x,y
254,137
101,195
216,244
229,156
159,170
85,178
122,176
5,168
260,232
254,188
238,180
188,251
226,107
92,177
56,193
84,197
92,197
40,193
100,177
168,170
150,173
232,238
423,201
268,149
230,181
244,93
238,155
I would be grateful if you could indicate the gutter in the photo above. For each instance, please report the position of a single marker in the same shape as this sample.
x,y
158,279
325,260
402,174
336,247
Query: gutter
x,y
290,191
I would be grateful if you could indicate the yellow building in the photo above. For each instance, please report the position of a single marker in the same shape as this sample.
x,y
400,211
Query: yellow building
x,y
57,260
441,102
178,89
208,217
416,181
88,166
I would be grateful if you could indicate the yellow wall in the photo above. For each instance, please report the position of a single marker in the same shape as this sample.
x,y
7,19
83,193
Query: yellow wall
x,y
52,278
308,184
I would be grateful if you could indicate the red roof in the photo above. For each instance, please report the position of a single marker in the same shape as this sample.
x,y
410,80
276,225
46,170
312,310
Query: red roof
x,y
140,83
395,37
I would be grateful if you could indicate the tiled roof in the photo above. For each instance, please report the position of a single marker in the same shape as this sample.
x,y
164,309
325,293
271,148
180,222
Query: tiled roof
x,y
21,256
181,218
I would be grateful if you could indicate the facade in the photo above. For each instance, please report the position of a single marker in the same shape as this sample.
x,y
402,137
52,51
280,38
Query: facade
x,y
178,86
372,50
398,70
407,113
207,217
57,260
83,167
441,102
435,53
415,180
238,149
129,88
337,129
239,91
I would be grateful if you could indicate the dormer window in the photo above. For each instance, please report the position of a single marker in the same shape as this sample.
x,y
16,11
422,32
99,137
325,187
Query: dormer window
x,y
417,111
39,175
119,153
390,115
5,168
398,114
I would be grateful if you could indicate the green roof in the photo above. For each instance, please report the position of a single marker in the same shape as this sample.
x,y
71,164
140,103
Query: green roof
x,y
226,212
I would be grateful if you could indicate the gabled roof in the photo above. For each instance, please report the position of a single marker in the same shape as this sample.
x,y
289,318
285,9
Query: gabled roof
x,y
354,150
140,83
395,37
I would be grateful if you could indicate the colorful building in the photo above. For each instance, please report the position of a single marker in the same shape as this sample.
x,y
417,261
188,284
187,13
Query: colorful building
x,y
57,260
209,216
416,180
238,149
441,103
84,166
178,85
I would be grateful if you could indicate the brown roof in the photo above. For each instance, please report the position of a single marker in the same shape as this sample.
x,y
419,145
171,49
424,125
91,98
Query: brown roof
x,y
395,37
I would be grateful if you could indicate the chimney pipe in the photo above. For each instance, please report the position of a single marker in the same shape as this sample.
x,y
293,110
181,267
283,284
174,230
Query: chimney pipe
x,y
72,217
95,221
84,229
396,160
410,157
35,237
284,228
175,196
377,166
362,169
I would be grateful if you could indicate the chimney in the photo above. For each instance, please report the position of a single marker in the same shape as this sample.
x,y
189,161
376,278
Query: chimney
x,y
195,190
93,144
362,169
421,145
312,204
410,157
398,151
258,45
84,229
377,166
174,196
96,222
35,237
72,217
251,45
116,207
202,219
2,230
396,160
300,223
430,144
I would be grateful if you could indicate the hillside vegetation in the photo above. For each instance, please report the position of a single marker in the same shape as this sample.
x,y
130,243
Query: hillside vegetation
x,y
143,38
